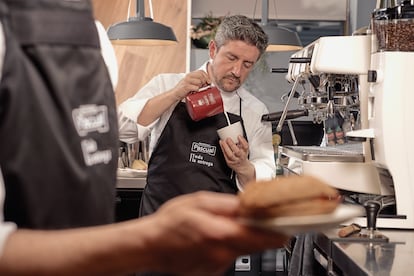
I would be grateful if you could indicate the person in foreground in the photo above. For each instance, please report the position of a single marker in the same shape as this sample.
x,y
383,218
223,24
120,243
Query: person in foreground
x,y
187,155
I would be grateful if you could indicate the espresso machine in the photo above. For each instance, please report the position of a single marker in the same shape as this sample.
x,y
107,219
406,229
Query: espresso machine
x,y
389,112
367,75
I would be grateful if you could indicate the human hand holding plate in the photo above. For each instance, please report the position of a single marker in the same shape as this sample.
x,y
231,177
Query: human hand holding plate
x,y
294,204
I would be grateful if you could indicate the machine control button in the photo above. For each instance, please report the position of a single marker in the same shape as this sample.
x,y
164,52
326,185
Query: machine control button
x,y
243,263
372,76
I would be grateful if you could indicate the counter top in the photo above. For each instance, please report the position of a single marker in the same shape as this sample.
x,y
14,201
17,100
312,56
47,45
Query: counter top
x,y
131,183
369,258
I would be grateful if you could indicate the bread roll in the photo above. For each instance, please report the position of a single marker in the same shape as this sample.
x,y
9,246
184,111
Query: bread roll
x,y
288,196
139,164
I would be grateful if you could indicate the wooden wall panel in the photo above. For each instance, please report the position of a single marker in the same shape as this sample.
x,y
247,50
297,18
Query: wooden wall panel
x,y
138,64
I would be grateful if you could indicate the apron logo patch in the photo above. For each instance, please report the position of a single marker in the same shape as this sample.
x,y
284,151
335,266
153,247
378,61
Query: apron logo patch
x,y
203,148
87,119
90,118
91,154
197,152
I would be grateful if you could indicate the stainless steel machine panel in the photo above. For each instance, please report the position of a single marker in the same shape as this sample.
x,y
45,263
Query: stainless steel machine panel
x,y
341,153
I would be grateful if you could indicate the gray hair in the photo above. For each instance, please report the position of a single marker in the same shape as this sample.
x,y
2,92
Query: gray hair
x,y
240,27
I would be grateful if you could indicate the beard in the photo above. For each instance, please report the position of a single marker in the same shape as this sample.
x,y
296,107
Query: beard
x,y
229,83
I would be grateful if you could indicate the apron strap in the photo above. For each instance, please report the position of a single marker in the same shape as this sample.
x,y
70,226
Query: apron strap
x,y
240,100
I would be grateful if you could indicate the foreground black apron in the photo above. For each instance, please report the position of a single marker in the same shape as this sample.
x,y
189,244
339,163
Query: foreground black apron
x,y
187,158
58,126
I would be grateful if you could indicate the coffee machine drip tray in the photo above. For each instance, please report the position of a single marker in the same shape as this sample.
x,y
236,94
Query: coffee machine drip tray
x,y
349,152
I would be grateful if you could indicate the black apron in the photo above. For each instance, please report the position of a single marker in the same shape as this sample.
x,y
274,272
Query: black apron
x,y
58,121
186,159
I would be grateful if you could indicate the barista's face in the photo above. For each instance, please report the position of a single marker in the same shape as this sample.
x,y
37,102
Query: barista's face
x,y
231,64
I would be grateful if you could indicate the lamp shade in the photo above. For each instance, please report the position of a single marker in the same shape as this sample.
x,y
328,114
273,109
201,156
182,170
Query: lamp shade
x,y
281,39
141,32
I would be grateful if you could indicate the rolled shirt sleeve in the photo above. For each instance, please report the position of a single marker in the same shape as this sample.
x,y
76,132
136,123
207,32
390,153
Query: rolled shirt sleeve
x,y
131,110
259,134
133,106
261,154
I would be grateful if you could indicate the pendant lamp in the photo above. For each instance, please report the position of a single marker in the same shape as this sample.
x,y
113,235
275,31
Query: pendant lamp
x,y
280,39
141,31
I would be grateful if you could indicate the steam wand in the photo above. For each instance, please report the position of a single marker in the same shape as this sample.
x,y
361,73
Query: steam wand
x,y
285,110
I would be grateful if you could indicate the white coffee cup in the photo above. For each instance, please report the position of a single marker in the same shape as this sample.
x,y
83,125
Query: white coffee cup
x,y
231,131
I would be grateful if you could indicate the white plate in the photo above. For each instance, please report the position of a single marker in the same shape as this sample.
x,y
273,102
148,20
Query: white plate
x,y
300,224
131,173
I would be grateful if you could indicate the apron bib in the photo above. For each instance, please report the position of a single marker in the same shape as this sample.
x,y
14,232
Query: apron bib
x,y
58,121
186,159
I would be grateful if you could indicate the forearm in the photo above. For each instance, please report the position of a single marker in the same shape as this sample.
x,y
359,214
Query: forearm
x,y
246,173
88,251
156,106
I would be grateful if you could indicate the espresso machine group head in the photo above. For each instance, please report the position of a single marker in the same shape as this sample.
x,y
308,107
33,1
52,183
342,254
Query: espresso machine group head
x,y
336,70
